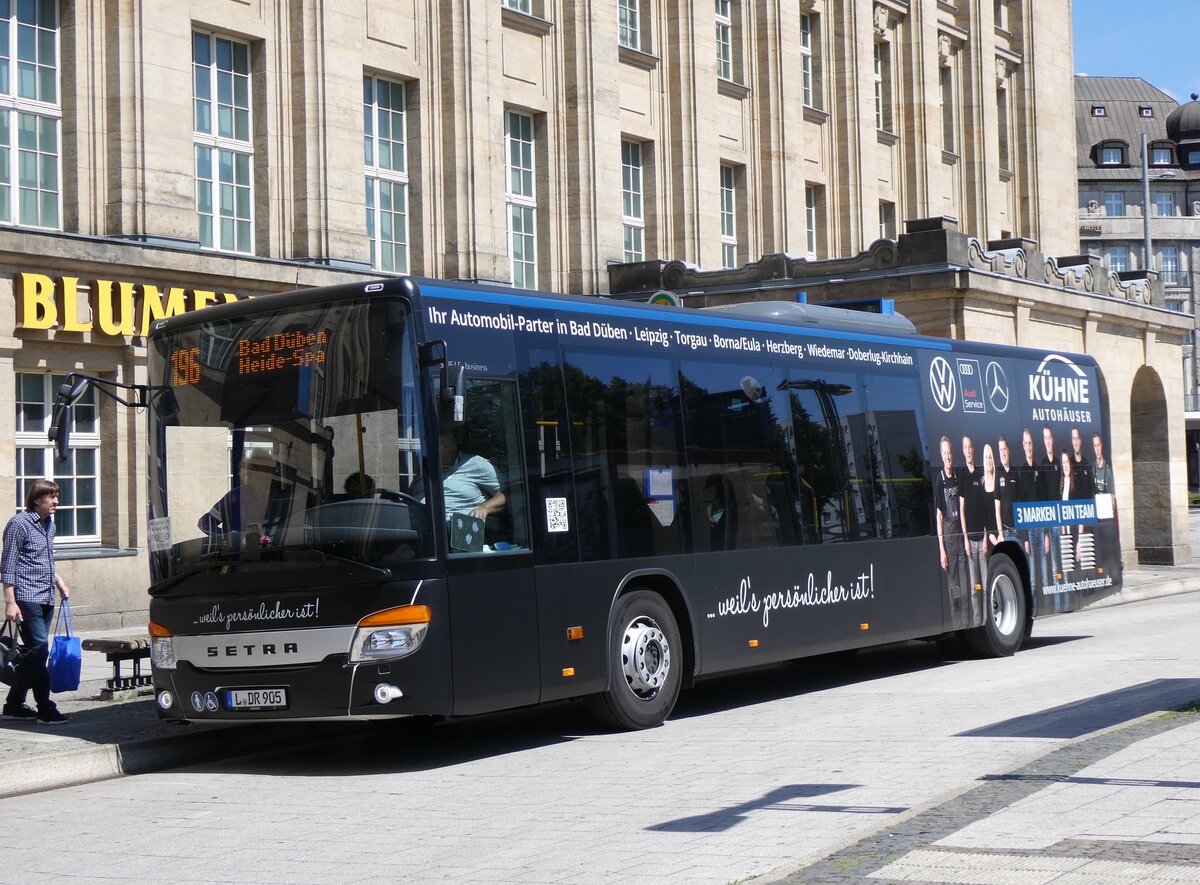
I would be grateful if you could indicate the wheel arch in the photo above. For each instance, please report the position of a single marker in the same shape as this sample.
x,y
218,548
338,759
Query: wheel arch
x,y
1015,552
667,585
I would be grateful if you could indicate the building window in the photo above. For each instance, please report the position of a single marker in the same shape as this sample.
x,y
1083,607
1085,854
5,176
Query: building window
x,y
1002,129
78,513
1168,264
1112,156
1001,14
521,199
946,94
30,115
883,87
1145,110
887,220
1193,158
1098,110
525,6
386,163
1114,203
629,24
725,60
729,243
222,138
1164,203
1161,156
633,211
811,207
1118,258
810,59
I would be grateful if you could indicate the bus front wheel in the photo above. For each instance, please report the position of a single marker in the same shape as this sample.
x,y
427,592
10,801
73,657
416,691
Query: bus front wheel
x,y
1003,628
645,664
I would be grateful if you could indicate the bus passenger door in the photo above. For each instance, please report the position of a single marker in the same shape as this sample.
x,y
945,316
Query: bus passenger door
x,y
490,583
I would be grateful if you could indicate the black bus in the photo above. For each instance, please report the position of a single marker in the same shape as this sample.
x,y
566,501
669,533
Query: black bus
x,y
416,497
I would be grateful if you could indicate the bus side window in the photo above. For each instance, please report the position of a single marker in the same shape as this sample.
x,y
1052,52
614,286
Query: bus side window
x,y
742,470
824,490
902,504
626,444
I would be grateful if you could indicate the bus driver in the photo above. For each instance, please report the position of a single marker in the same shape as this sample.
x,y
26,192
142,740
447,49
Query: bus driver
x,y
469,482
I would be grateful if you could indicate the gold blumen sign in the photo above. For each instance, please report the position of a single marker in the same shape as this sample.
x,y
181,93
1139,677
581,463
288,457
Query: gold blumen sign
x,y
114,307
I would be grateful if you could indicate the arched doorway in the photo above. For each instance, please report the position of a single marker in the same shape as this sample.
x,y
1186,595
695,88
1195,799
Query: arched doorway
x,y
1151,496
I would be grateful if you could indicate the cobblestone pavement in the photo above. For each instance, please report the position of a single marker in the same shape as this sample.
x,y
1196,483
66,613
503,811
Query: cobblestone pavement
x,y
1120,807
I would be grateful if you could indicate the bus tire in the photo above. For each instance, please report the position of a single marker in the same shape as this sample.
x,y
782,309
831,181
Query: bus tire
x,y
1004,607
645,664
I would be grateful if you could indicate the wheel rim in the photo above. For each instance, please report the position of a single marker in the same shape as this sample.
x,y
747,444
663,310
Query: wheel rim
x,y
645,657
1004,605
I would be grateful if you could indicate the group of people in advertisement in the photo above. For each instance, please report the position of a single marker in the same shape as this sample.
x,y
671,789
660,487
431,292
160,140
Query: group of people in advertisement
x,y
977,500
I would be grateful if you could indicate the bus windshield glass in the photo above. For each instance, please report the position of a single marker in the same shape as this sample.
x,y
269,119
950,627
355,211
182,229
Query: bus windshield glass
x,y
287,436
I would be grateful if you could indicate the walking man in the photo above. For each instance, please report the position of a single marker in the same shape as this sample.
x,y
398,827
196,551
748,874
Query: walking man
x,y
27,571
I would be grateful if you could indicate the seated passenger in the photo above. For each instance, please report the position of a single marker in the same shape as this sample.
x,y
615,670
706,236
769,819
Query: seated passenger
x,y
245,507
359,485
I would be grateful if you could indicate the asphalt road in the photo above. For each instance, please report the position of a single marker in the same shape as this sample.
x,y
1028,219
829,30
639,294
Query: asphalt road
x,y
756,775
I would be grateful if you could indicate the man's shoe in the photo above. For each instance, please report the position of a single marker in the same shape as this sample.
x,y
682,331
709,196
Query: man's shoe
x,y
50,717
19,713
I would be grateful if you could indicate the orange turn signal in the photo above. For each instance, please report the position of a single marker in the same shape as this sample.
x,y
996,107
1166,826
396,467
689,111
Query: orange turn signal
x,y
754,643
864,627
574,633
401,614
568,672
158,630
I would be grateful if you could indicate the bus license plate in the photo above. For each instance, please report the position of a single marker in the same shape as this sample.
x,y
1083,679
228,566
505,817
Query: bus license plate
x,y
256,699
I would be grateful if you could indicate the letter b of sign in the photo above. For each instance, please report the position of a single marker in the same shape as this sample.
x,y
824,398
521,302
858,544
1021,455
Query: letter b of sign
x,y
942,384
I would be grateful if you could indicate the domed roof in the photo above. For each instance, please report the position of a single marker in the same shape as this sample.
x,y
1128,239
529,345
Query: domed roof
x,y
1183,123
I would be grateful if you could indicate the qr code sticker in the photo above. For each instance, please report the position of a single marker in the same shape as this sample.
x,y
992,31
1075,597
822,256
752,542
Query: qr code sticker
x,y
556,515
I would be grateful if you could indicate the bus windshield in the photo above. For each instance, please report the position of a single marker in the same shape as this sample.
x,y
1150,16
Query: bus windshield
x,y
287,435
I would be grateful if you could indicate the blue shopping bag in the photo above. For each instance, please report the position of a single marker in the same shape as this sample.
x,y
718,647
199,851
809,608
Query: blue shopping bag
x,y
66,655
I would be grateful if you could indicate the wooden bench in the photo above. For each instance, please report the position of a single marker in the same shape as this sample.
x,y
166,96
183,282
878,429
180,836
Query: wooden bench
x,y
116,651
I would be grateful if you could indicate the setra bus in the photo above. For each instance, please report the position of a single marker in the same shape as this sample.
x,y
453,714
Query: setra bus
x,y
417,497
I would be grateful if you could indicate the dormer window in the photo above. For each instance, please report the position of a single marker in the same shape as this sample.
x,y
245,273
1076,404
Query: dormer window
x,y
1145,110
1110,153
1162,154
1098,110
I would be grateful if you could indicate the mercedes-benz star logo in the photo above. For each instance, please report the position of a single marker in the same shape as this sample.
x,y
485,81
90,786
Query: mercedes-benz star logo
x,y
997,386
941,384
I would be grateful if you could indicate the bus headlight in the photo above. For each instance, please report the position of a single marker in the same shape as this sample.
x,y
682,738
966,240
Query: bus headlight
x,y
391,633
162,647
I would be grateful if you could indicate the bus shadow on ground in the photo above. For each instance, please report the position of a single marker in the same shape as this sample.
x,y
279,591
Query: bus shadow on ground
x,y
1097,712
817,673
410,745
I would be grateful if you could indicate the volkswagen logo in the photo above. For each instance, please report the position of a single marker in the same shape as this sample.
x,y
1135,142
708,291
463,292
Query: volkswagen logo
x,y
997,386
942,384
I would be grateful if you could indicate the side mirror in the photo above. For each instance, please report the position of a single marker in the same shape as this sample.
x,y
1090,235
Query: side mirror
x,y
60,426
432,353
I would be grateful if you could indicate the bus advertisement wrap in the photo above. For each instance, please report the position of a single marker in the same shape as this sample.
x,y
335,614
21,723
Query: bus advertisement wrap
x,y
440,498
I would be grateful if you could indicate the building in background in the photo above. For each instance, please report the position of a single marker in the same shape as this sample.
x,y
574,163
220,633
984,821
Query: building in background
x,y
1129,199
158,158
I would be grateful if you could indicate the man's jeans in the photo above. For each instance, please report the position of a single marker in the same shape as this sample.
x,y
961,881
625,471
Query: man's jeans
x,y
32,672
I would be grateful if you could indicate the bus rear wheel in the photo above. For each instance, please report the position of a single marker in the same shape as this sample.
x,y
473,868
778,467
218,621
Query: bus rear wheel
x,y
1004,619
645,664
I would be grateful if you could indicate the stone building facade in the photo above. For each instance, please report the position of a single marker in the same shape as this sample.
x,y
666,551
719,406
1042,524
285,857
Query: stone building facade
x,y
1125,204
157,158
